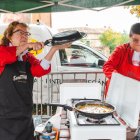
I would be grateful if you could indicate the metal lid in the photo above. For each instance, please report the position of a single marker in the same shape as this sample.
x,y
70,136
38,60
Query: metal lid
x,y
124,94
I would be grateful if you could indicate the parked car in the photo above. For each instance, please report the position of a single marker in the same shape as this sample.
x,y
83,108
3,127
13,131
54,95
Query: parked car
x,y
77,57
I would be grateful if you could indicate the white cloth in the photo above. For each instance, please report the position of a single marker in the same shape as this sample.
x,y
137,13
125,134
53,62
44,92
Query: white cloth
x,y
136,58
20,57
45,64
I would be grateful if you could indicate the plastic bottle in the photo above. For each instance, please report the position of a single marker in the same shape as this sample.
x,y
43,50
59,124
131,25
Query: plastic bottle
x,y
48,127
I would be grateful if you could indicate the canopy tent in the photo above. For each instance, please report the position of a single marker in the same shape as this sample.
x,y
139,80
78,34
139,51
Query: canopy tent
x,y
40,6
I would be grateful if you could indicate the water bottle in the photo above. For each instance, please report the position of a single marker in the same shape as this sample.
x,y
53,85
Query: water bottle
x,y
48,127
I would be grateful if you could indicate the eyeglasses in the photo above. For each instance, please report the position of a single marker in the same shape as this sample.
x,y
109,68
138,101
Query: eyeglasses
x,y
135,40
22,32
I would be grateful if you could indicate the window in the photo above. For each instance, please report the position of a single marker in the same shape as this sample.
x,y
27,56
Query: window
x,y
78,56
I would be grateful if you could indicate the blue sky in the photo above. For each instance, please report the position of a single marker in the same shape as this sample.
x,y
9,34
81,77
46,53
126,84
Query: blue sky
x,y
118,18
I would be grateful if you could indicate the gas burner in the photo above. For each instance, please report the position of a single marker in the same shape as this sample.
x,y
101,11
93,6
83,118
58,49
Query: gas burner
x,y
77,114
95,121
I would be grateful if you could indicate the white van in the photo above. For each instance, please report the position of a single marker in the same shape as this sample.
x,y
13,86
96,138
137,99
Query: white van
x,y
79,58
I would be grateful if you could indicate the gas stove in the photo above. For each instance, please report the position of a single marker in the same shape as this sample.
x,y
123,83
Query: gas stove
x,y
83,128
86,121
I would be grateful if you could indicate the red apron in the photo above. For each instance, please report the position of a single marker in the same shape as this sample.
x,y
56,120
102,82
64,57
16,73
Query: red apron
x,y
126,69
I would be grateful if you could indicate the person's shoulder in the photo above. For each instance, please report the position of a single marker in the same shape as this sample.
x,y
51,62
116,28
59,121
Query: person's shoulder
x,y
123,47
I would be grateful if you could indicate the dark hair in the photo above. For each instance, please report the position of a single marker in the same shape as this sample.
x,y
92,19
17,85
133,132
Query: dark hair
x,y
135,29
9,32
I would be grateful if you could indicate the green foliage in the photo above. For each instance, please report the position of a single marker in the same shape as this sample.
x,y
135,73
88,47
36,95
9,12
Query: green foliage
x,y
112,39
135,10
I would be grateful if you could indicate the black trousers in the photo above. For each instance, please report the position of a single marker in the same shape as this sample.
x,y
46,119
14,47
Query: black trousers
x,y
16,129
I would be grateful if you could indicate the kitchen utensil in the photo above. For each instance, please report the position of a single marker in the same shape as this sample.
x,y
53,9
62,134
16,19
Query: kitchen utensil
x,y
65,37
90,104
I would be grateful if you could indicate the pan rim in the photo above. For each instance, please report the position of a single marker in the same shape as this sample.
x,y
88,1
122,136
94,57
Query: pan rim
x,y
112,107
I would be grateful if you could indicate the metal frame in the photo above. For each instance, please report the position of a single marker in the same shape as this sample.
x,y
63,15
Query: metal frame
x,y
64,3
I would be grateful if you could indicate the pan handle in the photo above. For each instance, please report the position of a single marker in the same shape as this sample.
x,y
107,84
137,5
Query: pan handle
x,y
62,105
47,42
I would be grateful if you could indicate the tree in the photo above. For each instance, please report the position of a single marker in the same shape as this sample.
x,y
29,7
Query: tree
x,y
112,39
135,10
